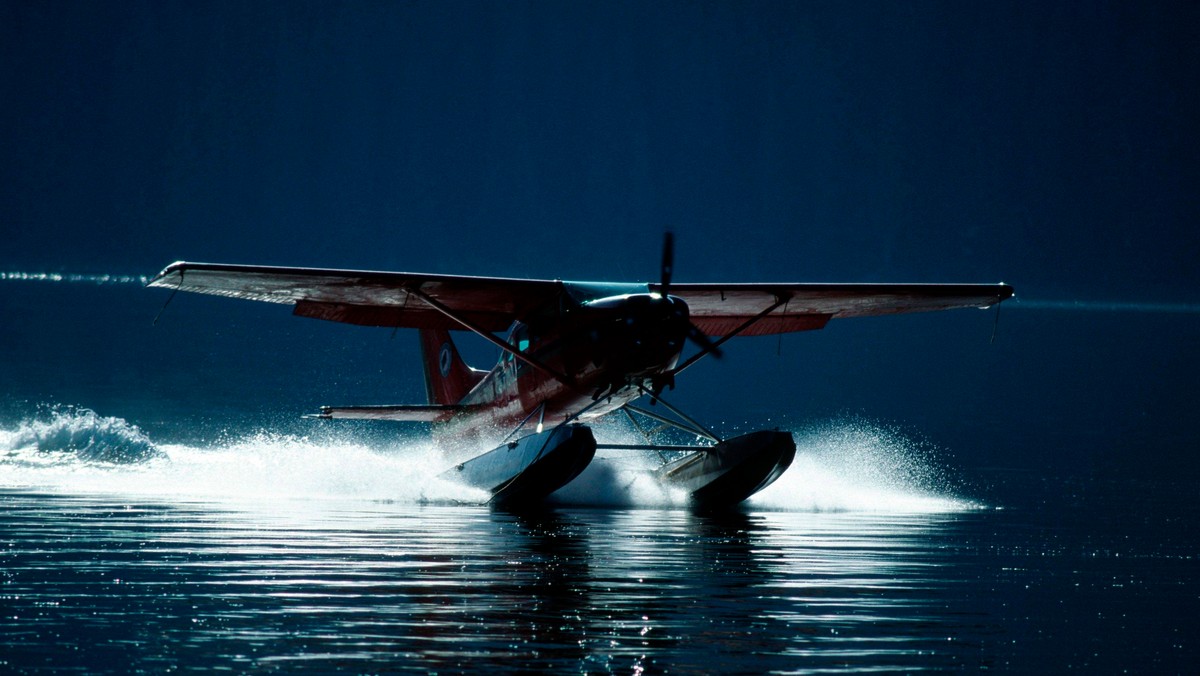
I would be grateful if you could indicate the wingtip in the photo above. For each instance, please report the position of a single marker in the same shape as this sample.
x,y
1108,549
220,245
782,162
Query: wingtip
x,y
1005,292
159,279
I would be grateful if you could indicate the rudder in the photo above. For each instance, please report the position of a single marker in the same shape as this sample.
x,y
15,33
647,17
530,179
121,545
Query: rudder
x,y
447,377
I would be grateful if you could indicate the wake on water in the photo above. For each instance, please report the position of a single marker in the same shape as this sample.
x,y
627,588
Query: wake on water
x,y
78,450
841,465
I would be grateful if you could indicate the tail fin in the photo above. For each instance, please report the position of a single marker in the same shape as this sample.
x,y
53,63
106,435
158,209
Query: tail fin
x,y
447,376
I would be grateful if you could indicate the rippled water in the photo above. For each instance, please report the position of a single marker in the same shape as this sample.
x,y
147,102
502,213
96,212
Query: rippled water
x,y
94,583
277,554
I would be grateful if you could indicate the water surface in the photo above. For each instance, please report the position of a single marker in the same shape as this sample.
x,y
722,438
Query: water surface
x,y
180,558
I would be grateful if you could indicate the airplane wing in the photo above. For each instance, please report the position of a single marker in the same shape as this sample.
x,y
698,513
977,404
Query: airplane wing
x,y
368,298
398,299
720,309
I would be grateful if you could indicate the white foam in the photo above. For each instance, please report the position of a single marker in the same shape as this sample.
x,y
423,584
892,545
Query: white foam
x,y
841,465
851,464
59,453
64,434
619,482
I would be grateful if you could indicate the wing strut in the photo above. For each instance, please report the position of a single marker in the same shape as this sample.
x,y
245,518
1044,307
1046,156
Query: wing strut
x,y
471,326
780,299
696,427
180,284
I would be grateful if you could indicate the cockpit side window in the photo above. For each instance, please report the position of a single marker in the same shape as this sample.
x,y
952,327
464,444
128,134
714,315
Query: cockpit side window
x,y
518,338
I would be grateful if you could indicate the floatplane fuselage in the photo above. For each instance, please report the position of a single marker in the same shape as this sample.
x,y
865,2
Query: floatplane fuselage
x,y
574,352
614,349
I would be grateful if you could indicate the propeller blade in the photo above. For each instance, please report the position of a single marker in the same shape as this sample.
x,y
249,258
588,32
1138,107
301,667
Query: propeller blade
x,y
668,262
705,343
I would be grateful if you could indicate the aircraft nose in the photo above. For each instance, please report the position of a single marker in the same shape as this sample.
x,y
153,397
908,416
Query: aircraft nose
x,y
675,320
658,326
640,334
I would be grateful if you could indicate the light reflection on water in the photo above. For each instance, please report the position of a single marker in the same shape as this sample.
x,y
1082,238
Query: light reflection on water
x,y
95,583
271,553
108,583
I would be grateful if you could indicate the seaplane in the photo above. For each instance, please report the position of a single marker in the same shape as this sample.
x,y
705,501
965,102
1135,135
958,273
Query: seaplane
x,y
572,353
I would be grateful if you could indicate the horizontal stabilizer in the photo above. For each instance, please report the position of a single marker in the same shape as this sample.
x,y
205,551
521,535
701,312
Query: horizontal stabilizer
x,y
401,413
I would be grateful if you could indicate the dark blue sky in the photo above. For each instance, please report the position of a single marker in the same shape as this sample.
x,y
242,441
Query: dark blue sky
x,y
1053,147
1050,146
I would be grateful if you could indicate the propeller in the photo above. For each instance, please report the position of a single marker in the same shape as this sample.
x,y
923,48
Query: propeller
x,y
668,269
668,262
705,343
